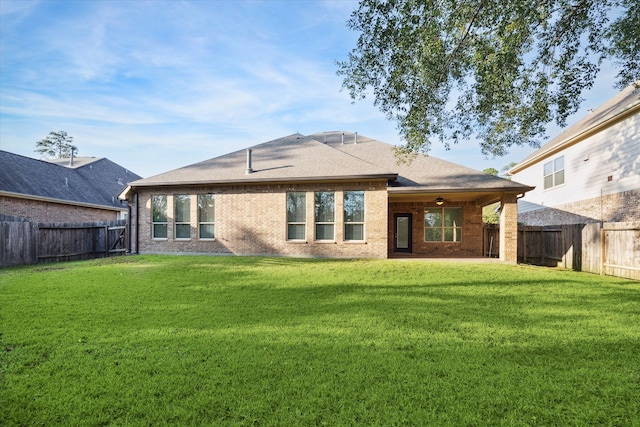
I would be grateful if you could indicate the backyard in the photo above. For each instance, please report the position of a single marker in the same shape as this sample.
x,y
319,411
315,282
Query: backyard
x,y
194,340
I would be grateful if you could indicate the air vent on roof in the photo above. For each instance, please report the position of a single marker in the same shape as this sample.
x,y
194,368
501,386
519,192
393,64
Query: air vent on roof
x,y
120,181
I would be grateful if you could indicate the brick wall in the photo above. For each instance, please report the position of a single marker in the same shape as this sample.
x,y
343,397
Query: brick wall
x,y
619,207
41,211
470,246
509,228
251,220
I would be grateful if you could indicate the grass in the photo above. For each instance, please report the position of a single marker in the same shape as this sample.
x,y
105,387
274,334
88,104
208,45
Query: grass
x,y
161,340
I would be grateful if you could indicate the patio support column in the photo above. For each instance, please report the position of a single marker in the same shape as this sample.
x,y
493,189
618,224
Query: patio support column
x,y
509,228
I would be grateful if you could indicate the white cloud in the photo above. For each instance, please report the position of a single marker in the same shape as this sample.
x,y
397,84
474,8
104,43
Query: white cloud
x,y
161,84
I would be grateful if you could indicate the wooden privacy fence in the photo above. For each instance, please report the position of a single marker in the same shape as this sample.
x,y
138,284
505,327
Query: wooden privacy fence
x,y
32,243
608,248
621,250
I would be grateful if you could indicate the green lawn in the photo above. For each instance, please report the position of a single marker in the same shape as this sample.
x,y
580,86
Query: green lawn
x,y
161,340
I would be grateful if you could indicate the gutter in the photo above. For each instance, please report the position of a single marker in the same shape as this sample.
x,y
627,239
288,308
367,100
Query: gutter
x,y
427,190
60,201
135,185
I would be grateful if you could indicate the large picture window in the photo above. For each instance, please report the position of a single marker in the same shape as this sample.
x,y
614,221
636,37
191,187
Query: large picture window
x,y
159,216
554,172
354,215
182,216
443,224
325,215
206,216
296,216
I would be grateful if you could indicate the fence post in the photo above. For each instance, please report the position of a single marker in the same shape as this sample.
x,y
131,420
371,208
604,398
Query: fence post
x,y
106,241
603,249
564,251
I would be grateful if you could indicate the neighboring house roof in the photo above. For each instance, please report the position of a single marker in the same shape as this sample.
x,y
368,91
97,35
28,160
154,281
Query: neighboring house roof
x,y
77,161
324,156
94,184
624,104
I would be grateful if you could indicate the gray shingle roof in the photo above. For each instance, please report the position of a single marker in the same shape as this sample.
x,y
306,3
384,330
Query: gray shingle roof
x,y
323,156
94,183
426,173
292,158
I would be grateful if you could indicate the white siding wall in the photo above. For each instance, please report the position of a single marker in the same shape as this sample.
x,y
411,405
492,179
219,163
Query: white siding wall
x,y
613,152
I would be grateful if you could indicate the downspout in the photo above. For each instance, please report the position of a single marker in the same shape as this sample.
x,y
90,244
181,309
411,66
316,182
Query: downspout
x,y
135,200
128,228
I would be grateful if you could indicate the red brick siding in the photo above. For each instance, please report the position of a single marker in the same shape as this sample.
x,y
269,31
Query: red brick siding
x,y
50,212
471,244
251,220
509,228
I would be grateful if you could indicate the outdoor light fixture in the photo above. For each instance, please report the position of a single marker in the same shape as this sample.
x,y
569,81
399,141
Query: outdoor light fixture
x,y
439,201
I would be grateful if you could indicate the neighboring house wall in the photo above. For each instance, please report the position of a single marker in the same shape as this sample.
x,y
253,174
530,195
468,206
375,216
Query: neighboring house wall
x,y
470,246
601,177
252,220
50,212
619,207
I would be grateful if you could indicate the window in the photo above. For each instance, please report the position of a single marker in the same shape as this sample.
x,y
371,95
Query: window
x,y
325,215
296,216
182,217
354,215
206,216
443,224
554,173
159,216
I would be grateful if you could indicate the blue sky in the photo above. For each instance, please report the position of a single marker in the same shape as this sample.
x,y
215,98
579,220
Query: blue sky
x,y
156,85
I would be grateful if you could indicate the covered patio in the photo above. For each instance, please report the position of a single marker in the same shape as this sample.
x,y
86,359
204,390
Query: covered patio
x,y
447,223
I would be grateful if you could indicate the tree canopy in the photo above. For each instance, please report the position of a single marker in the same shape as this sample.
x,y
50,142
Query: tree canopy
x,y
499,71
56,144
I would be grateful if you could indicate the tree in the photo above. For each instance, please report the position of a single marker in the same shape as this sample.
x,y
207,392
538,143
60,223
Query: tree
x,y
497,70
491,171
56,144
507,168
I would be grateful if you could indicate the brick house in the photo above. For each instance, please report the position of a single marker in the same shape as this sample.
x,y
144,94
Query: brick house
x,y
332,194
588,173
84,189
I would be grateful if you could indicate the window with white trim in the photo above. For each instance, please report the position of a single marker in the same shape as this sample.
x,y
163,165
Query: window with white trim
x,y
159,216
296,215
206,217
353,207
325,208
182,216
553,172
443,224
